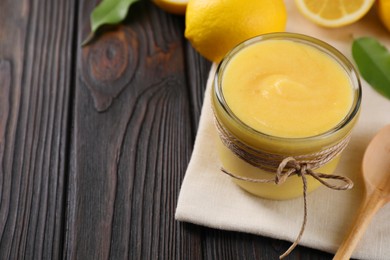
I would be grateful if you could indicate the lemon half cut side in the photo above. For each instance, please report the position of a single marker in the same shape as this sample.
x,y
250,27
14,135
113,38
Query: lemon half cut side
x,y
331,13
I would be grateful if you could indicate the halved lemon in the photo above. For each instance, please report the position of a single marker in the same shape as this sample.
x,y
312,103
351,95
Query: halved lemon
x,y
172,6
334,13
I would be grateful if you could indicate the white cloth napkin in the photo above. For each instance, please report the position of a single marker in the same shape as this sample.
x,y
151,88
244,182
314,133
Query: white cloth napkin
x,y
210,198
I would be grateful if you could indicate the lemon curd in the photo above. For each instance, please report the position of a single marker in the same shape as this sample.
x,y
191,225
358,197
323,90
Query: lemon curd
x,y
287,94
286,89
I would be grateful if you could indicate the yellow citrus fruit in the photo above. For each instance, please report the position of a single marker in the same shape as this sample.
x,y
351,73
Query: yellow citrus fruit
x,y
384,12
332,13
215,27
172,6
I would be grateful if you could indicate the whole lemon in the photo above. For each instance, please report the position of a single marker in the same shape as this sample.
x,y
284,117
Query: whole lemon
x,y
215,26
384,12
172,6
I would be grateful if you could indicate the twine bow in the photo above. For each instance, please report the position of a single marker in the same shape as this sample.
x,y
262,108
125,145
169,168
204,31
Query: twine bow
x,y
284,167
288,167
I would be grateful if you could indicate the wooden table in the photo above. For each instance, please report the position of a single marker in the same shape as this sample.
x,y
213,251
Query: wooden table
x,y
95,141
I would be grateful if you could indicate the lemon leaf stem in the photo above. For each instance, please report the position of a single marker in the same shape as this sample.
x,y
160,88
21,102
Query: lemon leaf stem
x,y
108,12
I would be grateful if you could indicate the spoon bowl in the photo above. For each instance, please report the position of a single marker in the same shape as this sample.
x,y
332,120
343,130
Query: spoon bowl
x,y
376,177
376,163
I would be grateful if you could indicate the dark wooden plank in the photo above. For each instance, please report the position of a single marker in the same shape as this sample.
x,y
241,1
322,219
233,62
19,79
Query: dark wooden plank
x,y
219,244
197,74
136,116
137,104
35,81
132,141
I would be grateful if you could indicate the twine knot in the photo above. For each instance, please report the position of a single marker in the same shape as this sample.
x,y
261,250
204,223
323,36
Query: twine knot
x,y
284,167
289,166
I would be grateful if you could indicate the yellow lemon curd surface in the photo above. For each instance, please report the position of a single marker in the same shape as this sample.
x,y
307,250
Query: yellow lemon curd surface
x,y
284,93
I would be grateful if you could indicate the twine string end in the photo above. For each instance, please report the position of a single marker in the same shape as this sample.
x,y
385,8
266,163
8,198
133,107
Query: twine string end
x,y
284,167
303,226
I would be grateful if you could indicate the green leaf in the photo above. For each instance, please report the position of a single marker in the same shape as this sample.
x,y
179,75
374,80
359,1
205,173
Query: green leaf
x,y
108,12
373,61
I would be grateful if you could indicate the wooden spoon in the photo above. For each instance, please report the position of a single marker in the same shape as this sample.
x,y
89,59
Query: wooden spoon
x,y
376,176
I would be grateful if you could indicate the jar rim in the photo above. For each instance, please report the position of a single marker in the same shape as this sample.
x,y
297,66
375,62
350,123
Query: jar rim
x,y
303,39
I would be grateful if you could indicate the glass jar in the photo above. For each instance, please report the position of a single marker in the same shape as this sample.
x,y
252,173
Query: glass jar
x,y
285,146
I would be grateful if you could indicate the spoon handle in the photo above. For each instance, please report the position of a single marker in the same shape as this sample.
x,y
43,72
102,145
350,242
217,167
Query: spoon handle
x,y
371,204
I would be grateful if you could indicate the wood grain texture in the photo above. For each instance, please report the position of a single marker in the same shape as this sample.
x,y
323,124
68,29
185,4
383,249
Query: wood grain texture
x,y
36,39
132,111
138,98
95,141
197,70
